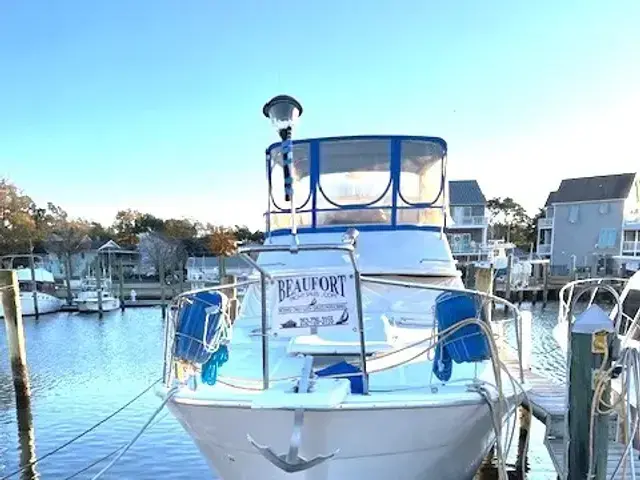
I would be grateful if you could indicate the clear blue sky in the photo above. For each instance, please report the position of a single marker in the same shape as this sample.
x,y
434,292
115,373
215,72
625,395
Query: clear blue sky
x,y
156,105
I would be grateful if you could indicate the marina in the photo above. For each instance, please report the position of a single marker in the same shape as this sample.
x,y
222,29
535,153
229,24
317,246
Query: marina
x,y
338,361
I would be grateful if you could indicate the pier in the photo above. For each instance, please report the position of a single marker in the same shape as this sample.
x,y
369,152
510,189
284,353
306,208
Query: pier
x,y
553,403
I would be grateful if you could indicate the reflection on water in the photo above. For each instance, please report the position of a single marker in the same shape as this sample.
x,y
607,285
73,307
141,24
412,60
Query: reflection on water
x,y
83,368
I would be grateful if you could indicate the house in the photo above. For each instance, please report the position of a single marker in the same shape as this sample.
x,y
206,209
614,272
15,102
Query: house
x,y
592,223
468,223
205,269
84,260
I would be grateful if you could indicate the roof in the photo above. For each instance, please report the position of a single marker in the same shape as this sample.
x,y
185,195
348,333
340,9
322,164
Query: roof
x,y
103,244
593,189
550,198
465,192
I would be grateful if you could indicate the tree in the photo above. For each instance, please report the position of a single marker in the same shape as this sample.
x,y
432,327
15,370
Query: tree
x,y
222,243
180,229
159,252
508,219
146,222
17,223
69,237
243,234
124,226
531,230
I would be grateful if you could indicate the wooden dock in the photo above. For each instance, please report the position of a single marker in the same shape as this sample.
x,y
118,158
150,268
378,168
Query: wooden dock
x,y
547,402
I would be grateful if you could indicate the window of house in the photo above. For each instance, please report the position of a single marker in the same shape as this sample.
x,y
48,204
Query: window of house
x,y
630,236
462,211
607,238
603,208
574,211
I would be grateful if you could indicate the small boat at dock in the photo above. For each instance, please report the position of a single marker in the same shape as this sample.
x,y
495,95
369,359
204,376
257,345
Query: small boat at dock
x,y
44,281
90,296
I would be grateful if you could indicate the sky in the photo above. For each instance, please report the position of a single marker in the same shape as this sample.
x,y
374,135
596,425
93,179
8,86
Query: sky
x,y
156,105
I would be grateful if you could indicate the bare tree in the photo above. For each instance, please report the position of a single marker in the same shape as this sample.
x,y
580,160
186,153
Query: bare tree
x,y
68,237
157,249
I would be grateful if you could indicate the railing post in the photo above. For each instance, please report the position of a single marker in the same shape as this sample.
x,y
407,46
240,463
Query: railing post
x,y
264,328
591,335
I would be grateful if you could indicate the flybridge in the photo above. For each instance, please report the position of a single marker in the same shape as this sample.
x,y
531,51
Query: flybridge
x,y
377,182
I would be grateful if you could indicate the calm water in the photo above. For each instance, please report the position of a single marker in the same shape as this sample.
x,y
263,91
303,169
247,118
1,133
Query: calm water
x,y
83,368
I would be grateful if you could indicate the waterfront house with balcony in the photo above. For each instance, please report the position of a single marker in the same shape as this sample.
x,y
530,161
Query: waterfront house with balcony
x,y
591,223
468,223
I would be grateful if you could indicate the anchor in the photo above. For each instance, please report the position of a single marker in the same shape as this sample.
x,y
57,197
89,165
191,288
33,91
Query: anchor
x,y
291,462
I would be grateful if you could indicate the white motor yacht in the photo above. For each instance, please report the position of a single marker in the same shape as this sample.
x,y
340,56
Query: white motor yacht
x,y
45,289
334,368
88,297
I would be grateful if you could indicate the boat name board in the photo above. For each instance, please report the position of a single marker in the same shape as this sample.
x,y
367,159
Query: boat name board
x,y
302,302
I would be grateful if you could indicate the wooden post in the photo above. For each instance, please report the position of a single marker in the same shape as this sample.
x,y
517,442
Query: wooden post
x,y
484,283
121,282
99,284
231,294
181,277
525,426
161,274
507,288
67,271
471,276
34,283
10,294
15,331
520,296
545,284
591,335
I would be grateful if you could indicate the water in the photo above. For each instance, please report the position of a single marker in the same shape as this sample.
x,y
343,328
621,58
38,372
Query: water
x,y
83,368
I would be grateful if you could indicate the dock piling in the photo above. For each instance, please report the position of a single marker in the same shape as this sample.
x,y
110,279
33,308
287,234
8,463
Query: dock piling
x,y
163,305
34,284
591,335
507,286
15,331
545,284
10,293
99,284
121,282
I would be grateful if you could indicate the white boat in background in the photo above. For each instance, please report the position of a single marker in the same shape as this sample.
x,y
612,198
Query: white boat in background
x,y
47,300
334,369
88,297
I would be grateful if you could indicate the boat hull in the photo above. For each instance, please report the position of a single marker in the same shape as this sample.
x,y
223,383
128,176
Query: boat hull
x,y
46,304
108,305
418,443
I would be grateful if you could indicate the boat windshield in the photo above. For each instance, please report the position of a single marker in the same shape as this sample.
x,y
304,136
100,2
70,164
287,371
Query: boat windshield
x,y
361,180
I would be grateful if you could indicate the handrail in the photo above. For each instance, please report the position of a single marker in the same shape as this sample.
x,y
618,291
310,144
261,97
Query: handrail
x,y
486,296
266,276
564,304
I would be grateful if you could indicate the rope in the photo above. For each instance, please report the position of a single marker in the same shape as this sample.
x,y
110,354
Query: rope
x,y
93,464
170,394
79,436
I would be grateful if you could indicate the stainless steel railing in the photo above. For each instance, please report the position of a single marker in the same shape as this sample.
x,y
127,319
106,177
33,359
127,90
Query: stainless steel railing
x,y
265,277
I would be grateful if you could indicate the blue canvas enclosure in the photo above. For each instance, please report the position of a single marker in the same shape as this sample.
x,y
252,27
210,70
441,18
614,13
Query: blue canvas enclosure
x,y
468,344
199,327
